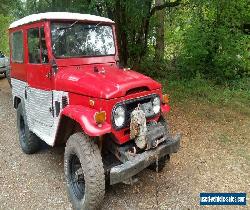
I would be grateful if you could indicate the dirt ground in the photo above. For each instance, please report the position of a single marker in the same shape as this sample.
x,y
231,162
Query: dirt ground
x,y
214,157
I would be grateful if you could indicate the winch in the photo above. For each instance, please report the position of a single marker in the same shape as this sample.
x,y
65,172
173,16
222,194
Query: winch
x,y
146,136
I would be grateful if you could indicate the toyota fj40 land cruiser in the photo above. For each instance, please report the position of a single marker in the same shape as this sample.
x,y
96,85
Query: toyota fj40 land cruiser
x,y
69,89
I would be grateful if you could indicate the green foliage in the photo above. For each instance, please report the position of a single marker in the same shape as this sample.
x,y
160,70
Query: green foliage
x,y
214,44
202,38
9,9
4,25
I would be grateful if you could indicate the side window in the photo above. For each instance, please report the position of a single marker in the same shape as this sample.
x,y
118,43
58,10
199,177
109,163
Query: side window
x,y
34,46
44,50
17,47
38,52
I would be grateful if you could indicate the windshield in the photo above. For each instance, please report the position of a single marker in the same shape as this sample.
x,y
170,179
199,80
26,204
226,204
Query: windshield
x,y
79,40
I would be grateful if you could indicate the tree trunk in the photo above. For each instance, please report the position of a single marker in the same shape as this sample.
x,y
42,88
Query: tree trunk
x,y
160,33
120,19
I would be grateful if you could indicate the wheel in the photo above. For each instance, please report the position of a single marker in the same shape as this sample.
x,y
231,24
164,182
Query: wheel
x,y
162,161
29,142
84,172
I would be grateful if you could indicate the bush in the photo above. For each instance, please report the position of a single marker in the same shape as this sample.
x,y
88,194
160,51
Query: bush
x,y
214,44
4,25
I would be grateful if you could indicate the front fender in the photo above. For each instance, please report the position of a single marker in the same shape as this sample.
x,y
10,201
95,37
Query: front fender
x,y
85,117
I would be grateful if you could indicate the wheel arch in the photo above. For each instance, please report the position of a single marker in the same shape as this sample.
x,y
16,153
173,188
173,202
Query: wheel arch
x,y
67,127
83,117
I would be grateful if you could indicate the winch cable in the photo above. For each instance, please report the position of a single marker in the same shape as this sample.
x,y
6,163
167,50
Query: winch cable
x,y
156,178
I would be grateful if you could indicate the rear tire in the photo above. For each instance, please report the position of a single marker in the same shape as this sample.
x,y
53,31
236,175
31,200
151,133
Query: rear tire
x,y
84,172
29,142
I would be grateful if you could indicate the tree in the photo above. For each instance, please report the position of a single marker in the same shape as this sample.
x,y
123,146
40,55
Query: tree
x,y
131,16
214,44
133,38
205,37
160,33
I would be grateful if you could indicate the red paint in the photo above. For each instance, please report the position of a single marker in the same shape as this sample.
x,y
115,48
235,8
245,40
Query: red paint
x,y
113,83
107,87
165,108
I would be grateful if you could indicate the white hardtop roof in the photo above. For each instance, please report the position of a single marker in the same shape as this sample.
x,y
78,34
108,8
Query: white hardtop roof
x,y
59,16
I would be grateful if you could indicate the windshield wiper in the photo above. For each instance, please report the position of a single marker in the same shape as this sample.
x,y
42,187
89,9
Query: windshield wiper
x,y
92,27
68,27
64,28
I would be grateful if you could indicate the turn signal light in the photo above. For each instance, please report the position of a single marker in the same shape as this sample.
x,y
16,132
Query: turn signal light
x,y
165,99
100,117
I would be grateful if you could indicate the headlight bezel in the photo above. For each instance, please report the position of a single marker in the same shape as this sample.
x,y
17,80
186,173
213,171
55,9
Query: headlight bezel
x,y
159,104
122,105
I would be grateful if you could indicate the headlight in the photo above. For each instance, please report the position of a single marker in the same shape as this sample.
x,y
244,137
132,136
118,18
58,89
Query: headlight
x,y
119,116
156,105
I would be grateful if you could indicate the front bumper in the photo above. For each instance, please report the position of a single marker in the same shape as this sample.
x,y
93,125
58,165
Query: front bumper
x,y
136,164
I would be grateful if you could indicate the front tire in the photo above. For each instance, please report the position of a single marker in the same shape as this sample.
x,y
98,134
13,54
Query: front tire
x,y
84,172
29,142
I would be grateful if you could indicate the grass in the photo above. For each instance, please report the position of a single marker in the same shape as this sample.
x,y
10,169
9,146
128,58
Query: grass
x,y
224,138
243,152
235,95
238,146
227,105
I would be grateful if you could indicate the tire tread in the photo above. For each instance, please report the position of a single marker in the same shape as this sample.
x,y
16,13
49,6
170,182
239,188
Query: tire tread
x,y
94,178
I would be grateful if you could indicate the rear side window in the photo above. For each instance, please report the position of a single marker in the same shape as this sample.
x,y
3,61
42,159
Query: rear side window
x,y
17,47
38,52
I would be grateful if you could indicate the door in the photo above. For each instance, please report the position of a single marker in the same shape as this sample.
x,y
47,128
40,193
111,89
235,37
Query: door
x,y
39,91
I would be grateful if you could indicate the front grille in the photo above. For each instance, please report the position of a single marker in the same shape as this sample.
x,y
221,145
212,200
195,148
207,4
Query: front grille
x,y
130,106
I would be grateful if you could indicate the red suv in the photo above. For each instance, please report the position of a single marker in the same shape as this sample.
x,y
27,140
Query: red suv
x,y
68,88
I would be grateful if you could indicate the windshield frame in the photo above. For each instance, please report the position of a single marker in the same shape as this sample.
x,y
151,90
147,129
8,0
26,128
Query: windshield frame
x,y
94,23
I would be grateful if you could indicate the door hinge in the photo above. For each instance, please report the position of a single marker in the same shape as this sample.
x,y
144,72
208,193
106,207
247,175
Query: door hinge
x,y
25,93
52,111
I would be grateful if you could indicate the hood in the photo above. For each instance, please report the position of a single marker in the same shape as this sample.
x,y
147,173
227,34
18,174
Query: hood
x,y
101,81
